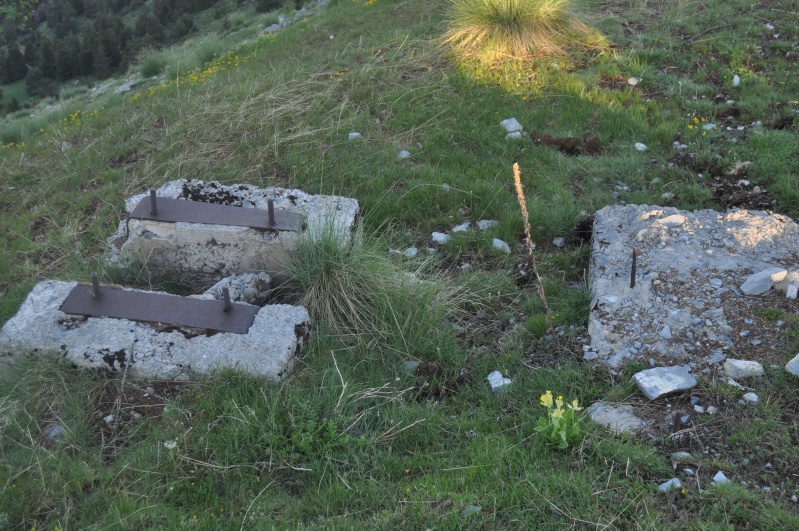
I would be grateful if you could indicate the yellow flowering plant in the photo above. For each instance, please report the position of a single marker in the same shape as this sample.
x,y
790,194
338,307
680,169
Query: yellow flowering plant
x,y
562,425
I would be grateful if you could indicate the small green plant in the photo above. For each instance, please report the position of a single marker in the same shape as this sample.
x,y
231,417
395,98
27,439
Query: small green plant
x,y
495,30
770,314
562,426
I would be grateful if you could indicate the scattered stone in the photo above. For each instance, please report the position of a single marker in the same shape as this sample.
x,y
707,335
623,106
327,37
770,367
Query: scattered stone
x,y
792,291
665,333
487,224
65,146
633,81
673,483
675,220
733,383
688,471
682,457
795,498
471,509
641,147
410,252
511,125
108,419
736,80
559,242
501,245
446,187
272,28
463,227
619,419
719,478
124,87
355,135
252,288
52,432
135,415
403,154
499,384
709,127
440,238
793,366
763,281
590,355
712,410
516,135
742,368
661,381
667,196
699,409
409,366
751,398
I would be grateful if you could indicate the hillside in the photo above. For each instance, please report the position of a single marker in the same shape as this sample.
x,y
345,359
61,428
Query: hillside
x,y
350,439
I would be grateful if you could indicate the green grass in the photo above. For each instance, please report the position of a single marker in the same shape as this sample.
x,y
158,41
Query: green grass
x,y
350,440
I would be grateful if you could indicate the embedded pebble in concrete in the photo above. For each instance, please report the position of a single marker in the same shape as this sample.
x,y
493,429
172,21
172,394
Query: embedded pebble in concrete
x,y
690,266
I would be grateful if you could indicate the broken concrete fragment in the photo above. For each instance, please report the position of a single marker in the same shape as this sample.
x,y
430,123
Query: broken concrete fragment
x,y
618,419
673,483
661,381
152,351
498,383
793,366
201,254
763,281
719,478
742,368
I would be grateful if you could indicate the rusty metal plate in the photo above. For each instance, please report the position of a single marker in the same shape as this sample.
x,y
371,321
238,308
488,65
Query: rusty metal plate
x,y
160,308
182,210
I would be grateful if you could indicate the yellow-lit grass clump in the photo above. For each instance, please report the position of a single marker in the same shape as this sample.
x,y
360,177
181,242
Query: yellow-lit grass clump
x,y
497,30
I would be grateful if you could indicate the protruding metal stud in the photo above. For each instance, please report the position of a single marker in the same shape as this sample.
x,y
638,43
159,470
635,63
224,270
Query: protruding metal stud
x,y
153,203
632,273
270,209
226,296
96,293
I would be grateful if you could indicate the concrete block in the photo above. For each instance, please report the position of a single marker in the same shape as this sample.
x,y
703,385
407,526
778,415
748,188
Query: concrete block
x,y
152,351
202,254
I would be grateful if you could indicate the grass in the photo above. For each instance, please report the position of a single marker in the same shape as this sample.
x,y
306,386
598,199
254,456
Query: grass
x,y
350,439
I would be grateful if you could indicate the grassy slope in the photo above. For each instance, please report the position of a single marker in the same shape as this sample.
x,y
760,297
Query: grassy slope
x,y
299,452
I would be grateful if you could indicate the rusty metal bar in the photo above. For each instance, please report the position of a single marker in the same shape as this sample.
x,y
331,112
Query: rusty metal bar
x,y
270,209
226,297
182,210
161,308
96,293
153,202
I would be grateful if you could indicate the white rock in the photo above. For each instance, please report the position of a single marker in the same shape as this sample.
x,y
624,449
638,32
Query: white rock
x,y
404,154
763,281
742,368
733,383
619,419
502,246
498,383
271,29
641,147
699,409
709,127
410,252
792,291
673,483
661,381
720,478
65,146
511,125
633,81
751,398
355,135
674,220
791,278
665,333
516,135
559,242
793,366
109,419
736,80
446,187
712,410
463,227
486,224
769,26
440,237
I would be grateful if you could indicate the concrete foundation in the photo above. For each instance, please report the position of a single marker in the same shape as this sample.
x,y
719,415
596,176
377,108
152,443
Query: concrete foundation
x,y
202,254
152,351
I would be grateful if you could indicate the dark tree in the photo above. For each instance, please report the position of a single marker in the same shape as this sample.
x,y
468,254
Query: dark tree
x,y
47,58
15,67
13,105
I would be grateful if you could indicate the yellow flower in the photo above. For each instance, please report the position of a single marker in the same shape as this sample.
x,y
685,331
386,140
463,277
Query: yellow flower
x,y
574,405
559,402
546,399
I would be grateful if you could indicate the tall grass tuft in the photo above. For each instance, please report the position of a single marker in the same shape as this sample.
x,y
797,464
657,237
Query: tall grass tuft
x,y
496,30
358,294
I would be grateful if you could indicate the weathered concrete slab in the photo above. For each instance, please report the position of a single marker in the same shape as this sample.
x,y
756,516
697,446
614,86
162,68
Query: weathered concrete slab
x,y
201,254
150,351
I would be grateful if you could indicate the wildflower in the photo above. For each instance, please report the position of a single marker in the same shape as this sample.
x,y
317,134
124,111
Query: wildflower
x,y
546,399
